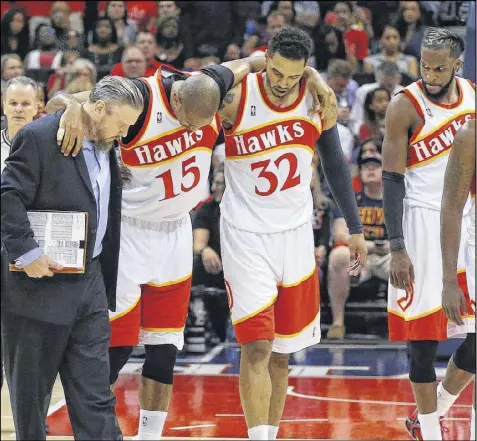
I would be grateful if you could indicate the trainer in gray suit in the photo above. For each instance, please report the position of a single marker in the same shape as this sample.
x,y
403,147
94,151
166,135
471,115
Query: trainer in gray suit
x,y
58,323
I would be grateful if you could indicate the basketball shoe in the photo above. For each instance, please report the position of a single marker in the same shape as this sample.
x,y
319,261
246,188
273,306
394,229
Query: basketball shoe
x,y
413,426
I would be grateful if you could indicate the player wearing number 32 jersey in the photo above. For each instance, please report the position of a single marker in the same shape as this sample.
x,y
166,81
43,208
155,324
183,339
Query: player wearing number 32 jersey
x,y
168,155
266,233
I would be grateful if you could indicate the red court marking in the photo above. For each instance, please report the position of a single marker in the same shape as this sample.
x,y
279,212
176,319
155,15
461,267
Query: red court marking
x,y
198,399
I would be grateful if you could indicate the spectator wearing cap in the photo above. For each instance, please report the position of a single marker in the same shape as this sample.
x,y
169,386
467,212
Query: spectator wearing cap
x,y
387,76
370,205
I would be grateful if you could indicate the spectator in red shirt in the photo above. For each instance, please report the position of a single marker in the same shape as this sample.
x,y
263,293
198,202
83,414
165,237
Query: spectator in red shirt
x,y
375,106
355,39
146,43
133,62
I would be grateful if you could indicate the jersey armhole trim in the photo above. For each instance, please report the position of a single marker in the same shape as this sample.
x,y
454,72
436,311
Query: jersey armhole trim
x,y
146,120
241,108
416,105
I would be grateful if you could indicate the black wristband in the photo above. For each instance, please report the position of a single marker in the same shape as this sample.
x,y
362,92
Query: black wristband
x,y
397,244
394,191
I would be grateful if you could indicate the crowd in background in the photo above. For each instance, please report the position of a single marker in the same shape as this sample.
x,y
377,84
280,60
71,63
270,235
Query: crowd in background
x,y
366,50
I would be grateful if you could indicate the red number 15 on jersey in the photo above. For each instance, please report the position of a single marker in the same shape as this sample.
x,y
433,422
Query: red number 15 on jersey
x,y
188,168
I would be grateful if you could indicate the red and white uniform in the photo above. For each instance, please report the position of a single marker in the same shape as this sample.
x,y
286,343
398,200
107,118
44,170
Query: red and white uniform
x,y
470,248
418,314
170,167
266,233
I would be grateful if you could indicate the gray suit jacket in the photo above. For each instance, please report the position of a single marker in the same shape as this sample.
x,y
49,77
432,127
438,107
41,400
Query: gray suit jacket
x,y
38,177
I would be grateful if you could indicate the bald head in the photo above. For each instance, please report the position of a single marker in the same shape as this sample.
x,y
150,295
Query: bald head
x,y
200,96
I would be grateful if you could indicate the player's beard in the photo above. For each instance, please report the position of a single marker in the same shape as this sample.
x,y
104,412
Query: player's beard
x,y
442,93
100,143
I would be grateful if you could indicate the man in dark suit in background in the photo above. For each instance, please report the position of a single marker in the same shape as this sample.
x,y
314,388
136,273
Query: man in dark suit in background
x,y
58,323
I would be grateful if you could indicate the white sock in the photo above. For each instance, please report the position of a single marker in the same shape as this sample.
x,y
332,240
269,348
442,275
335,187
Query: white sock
x,y
272,432
430,426
472,425
151,423
258,432
444,399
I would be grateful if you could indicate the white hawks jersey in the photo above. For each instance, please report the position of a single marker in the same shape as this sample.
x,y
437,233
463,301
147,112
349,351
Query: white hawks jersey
x,y
169,164
430,145
268,166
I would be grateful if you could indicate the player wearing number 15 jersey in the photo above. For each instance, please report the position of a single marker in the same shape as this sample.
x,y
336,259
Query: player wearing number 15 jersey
x,y
266,234
168,155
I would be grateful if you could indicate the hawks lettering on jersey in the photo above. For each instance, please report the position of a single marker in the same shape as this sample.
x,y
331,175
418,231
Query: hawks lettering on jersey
x,y
430,145
169,164
168,146
268,168
438,142
270,136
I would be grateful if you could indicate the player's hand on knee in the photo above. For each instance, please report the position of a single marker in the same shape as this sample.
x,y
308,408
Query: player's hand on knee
x,y
402,270
211,261
453,302
41,267
71,130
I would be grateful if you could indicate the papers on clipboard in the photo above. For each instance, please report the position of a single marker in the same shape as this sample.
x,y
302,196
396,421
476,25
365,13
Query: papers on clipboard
x,y
61,235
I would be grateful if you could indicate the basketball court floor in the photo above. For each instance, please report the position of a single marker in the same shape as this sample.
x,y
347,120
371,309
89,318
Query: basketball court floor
x,y
347,392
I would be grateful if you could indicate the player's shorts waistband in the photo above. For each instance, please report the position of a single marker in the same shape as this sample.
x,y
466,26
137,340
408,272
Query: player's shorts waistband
x,y
163,225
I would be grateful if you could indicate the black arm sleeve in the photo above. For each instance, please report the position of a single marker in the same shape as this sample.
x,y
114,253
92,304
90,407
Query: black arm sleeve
x,y
394,191
339,179
222,75
20,180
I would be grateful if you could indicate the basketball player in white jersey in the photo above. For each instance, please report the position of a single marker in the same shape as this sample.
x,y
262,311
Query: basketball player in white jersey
x,y
421,122
266,233
458,183
168,152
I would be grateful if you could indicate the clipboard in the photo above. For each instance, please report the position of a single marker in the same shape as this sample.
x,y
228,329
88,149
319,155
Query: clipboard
x,y
62,236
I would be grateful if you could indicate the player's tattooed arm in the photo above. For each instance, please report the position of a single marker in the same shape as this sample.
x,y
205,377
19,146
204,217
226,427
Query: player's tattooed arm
x,y
228,110
457,183
244,66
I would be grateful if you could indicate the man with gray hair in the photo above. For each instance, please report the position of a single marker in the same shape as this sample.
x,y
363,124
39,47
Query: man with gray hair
x,y
20,105
54,321
387,76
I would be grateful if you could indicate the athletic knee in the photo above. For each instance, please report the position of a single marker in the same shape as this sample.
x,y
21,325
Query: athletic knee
x,y
339,259
159,364
118,357
279,361
464,356
422,358
257,352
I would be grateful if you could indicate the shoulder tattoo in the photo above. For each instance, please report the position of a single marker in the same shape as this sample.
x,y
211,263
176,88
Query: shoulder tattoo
x,y
228,99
